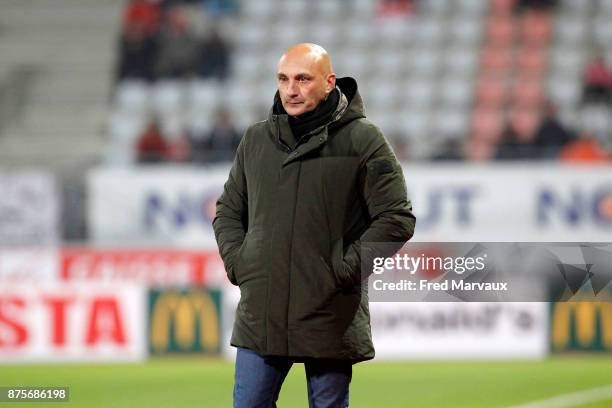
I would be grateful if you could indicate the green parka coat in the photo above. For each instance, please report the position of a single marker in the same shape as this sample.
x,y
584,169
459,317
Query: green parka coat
x,y
289,226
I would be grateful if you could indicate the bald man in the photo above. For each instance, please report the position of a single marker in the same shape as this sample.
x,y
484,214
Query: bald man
x,y
308,187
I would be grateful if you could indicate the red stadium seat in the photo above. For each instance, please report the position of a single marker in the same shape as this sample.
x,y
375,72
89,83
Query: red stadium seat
x,y
487,123
496,59
527,92
478,149
532,60
525,122
501,30
536,28
491,91
502,7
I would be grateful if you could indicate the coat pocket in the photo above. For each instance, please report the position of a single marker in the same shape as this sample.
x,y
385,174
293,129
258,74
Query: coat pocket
x,y
338,264
247,260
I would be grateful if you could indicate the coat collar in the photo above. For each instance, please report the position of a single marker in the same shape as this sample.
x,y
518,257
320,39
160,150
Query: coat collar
x,y
280,126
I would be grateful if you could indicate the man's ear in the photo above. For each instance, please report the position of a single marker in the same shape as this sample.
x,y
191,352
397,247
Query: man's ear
x,y
331,83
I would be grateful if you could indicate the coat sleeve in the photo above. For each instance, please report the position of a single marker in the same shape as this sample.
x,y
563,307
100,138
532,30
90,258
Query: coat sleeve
x,y
384,193
231,218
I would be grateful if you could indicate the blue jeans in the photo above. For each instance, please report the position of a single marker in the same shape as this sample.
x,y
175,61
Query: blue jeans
x,y
258,380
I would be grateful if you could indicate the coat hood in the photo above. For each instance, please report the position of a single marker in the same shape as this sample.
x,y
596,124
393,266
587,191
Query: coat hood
x,y
349,108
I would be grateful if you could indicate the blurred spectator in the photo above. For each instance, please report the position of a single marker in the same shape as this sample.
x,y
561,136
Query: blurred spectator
x,y
451,150
596,120
514,147
479,149
390,8
597,81
517,140
137,54
219,144
220,7
522,5
180,150
551,135
215,56
178,48
587,149
144,14
152,147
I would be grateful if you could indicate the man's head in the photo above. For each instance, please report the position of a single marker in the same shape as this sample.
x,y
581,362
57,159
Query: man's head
x,y
305,78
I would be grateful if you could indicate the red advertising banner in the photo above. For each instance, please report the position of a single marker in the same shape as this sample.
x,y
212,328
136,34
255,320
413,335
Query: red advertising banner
x,y
150,266
72,322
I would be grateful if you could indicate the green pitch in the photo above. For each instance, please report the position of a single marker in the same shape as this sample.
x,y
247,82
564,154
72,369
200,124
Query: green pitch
x,y
208,383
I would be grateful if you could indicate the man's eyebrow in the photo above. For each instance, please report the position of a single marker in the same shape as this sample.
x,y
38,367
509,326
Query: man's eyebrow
x,y
299,75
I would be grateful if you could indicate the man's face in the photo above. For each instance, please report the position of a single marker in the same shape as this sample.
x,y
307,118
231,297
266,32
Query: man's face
x,y
301,84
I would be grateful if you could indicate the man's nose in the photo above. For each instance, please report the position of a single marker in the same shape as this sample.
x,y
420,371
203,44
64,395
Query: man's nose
x,y
292,88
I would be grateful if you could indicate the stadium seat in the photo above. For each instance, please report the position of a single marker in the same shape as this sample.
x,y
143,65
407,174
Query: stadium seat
x,y
247,65
359,34
132,96
415,125
125,127
461,62
168,96
288,32
202,94
501,30
324,34
565,58
487,123
479,148
252,35
429,31
394,30
565,90
577,6
465,30
473,8
353,64
425,60
525,122
527,93
383,96
452,122
602,30
571,30
391,64
605,7
496,59
532,59
536,28
331,11
491,91
173,125
597,120
419,93
502,7
435,7
364,8
259,10
456,91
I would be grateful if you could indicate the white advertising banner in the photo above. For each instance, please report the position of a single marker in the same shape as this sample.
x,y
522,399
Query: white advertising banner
x,y
486,331
66,323
495,203
29,209
511,203
154,205
28,265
